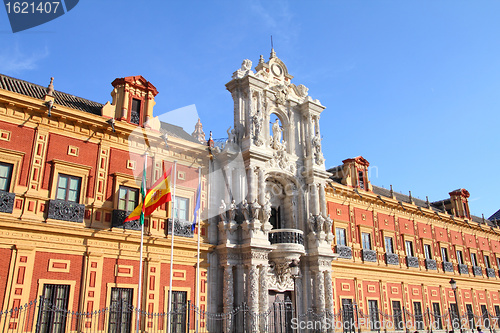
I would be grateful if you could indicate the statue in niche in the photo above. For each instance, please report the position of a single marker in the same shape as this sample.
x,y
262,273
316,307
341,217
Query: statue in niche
x,y
257,128
316,144
328,224
232,211
267,208
276,138
222,211
245,210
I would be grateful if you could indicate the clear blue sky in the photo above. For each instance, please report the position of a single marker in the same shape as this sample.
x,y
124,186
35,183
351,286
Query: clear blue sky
x,y
412,86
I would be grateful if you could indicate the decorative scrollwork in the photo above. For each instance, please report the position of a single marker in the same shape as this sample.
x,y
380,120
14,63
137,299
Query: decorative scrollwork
x,y
412,261
392,259
369,255
430,264
65,211
6,201
286,236
119,216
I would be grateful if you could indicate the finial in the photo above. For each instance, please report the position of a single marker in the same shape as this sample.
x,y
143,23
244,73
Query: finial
x,y
50,88
392,192
427,201
411,199
261,60
273,54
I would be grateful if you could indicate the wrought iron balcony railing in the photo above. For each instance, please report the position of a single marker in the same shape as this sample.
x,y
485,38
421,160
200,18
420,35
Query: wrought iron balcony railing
x,y
286,236
119,216
181,228
369,255
412,261
392,259
6,202
430,264
343,251
490,272
477,271
66,211
463,269
447,266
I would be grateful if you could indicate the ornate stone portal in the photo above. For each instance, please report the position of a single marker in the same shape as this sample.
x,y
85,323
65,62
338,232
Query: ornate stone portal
x,y
273,209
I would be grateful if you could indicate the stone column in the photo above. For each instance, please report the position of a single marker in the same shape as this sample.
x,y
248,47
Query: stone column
x,y
228,185
251,184
320,293
314,204
253,297
322,200
227,295
329,297
262,187
263,295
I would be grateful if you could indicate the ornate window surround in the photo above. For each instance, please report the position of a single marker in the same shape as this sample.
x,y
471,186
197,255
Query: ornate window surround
x,y
71,296
392,234
343,225
15,158
122,179
187,193
72,169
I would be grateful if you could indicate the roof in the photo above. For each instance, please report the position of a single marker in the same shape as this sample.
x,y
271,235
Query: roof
x,y
495,216
36,91
178,132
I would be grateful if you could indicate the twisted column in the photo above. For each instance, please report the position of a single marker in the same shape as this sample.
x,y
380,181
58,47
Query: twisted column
x,y
228,297
253,297
329,297
264,295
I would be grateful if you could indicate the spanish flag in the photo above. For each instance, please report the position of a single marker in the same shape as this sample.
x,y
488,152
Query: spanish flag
x,y
157,195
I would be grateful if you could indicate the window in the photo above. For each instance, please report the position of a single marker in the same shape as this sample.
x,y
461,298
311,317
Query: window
x,y
498,262
455,322
178,317
68,188
120,310
135,111
444,254
53,308
487,261
437,323
397,315
460,258
5,176
275,218
182,208
470,316
497,315
361,179
389,248
427,251
365,238
341,236
466,211
486,317
419,318
373,313
409,248
128,198
473,259
347,315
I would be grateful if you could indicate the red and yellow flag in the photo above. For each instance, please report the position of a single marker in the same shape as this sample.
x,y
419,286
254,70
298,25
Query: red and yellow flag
x,y
157,195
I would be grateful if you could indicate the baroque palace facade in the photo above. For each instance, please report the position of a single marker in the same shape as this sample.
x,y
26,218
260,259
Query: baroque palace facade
x,y
285,243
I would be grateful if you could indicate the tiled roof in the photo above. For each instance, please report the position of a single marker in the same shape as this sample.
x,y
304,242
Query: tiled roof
x,y
403,198
178,132
34,90
495,216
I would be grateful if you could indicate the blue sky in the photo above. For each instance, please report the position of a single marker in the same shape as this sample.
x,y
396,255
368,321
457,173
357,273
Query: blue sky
x,y
412,86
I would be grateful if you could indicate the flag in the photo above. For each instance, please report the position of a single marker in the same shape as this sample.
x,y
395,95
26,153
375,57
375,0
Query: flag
x,y
157,195
197,208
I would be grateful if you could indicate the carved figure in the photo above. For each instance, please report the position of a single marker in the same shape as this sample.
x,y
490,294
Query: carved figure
x,y
246,69
267,208
232,211
302,90
276,131
245,210
316,144
328,224
222,211
257,128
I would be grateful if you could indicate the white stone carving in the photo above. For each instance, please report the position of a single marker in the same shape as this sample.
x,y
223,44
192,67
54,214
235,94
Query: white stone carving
x,y
245,210
228,296
253,297
257,121
264,294
267,208
222,211
280,278
316,145
281,160
246,69
232,211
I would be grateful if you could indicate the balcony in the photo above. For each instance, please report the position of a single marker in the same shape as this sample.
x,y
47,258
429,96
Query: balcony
x,y
181,228
430,264
119,216
343,251
463,269
447,266
6,202
412,261
391,259
369,255
66,211
477,271
490,272
289,236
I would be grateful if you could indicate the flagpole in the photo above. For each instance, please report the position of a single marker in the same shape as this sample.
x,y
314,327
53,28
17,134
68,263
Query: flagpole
x,y
174,207
198,257
142,242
